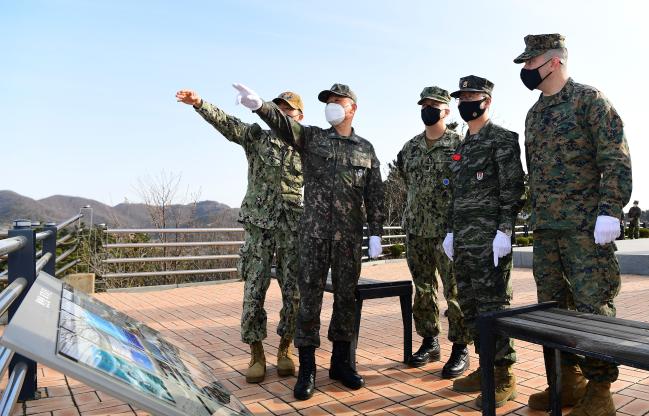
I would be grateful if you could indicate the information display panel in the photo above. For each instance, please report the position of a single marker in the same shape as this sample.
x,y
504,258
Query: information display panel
x,y
78,335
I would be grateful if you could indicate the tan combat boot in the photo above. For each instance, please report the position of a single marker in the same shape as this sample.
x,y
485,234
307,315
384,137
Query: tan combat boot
x,y
573,388
470,383
257,366
597,401
505,386
285,364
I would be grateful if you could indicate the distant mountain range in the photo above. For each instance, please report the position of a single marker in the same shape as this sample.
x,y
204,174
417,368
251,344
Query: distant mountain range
x,y
61,207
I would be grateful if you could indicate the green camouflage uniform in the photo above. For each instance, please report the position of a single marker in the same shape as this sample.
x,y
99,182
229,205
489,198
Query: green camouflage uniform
x,y
634,221
486,184
270,213
342,182
579,168
427,176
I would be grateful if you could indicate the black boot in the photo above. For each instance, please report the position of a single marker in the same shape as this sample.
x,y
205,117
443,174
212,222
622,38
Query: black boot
x,y
457,363
341,368
429,351
305,384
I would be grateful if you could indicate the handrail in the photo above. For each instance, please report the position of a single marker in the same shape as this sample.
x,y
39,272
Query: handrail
x,y
68,221
14,385
169,273
10,293
43,235
67,266
66,253
42,262
9,245
185,258
5,358
172,230
63,239
184,244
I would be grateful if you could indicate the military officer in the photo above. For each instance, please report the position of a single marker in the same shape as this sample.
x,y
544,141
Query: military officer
x,y
343,191
580,178
487,185
634,220
270,214
424,164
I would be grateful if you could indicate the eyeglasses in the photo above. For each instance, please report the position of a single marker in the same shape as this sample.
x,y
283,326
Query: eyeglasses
x,y
471,98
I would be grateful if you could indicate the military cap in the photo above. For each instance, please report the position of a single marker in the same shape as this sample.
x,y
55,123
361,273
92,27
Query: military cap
x,y
341,90
434,93
472,83
535,45
290,98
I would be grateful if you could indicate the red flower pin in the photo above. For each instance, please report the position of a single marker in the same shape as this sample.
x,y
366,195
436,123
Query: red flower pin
x,y
456,157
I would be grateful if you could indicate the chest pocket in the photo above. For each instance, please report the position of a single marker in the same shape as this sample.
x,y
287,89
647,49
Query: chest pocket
x,y
360,165
270,153
318,159
571,142
482,172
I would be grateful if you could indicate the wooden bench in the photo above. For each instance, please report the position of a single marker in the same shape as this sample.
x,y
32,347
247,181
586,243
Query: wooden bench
x,y
605,338
375,289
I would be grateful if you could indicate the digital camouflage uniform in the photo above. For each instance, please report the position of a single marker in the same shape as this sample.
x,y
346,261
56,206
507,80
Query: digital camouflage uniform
x,y
486,185
579,168
270,213
634,221
426,172
342,183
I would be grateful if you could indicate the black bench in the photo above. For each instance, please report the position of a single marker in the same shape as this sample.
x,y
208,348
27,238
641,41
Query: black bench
x,y
616,340
375,289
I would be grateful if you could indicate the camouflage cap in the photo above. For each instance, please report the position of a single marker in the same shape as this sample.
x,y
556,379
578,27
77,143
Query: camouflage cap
x,y
434,93
535,45
472,83
341,90
291,99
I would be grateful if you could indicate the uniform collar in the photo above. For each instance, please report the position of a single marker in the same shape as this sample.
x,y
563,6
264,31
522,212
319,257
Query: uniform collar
x,y
443,141
484,131
333,134
558,98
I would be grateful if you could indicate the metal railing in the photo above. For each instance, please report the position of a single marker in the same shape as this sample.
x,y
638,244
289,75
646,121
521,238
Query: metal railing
x,y
393,234
24,266
149,251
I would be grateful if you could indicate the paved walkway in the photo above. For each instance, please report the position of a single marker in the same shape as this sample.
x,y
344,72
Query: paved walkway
x,y
206,320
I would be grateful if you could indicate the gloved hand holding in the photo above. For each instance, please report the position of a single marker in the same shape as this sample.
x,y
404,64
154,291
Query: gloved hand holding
x,y
248,97
502,246
607,229
374,249
448,245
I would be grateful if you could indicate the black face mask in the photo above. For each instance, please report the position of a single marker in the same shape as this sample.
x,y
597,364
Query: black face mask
x,y
470,110
430,115
532,77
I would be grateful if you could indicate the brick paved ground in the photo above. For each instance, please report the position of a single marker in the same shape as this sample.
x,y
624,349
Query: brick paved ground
x,y
206,320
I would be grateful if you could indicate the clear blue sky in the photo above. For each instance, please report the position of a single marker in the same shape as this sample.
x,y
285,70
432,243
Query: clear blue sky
x,y
91,84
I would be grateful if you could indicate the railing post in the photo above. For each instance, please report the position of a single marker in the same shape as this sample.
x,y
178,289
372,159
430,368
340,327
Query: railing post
x,y
49,246
22,263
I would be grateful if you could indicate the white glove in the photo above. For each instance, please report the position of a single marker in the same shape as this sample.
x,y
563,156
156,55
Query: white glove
x,y
248,97
607,229
502,246
448,245
374,248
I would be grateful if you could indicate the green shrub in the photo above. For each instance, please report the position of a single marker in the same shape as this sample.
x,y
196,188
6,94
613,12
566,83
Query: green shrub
x,y
396,250
530,240
522,241
644,232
